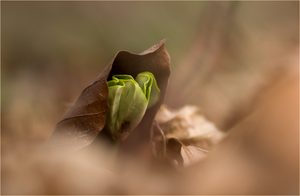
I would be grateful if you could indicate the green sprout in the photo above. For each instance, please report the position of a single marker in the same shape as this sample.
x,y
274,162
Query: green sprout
x,y
128,101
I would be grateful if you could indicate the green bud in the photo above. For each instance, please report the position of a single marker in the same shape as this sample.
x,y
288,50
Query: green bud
x,y
128,101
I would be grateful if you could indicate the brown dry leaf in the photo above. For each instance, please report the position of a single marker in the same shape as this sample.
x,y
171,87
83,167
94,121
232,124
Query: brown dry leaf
x,y
184,136
86,118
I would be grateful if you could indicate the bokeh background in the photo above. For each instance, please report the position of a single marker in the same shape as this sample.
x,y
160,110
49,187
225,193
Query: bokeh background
x,y
52,50
223,54
220,53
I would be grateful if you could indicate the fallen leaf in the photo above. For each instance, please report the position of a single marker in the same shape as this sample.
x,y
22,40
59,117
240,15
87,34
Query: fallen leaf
x,y
87,117
184,136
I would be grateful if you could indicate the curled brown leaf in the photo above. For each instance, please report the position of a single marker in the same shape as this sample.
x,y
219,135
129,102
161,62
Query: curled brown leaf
x,y
86,118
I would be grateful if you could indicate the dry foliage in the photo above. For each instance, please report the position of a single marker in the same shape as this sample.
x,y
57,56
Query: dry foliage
x,y
241,67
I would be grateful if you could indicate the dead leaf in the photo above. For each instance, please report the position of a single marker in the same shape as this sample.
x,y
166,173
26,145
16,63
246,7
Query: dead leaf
x,y
184,136
86,118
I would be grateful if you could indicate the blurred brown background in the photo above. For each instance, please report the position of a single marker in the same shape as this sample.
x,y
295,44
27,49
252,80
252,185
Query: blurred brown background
x,y
51,50
223,55
221,52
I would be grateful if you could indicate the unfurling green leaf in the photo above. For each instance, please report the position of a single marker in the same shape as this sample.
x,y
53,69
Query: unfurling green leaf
x,y
128,100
